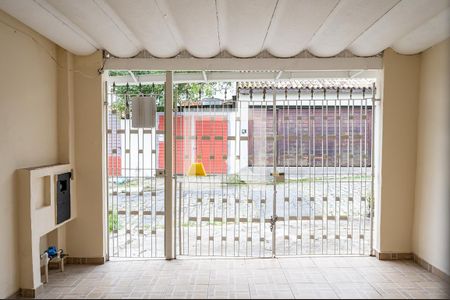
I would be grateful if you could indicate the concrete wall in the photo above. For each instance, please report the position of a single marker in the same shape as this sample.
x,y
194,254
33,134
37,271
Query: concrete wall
x,y
28,126
431,234
398,145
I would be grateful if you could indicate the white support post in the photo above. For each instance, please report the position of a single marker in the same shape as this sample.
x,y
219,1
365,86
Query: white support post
x,y
275,160
168,159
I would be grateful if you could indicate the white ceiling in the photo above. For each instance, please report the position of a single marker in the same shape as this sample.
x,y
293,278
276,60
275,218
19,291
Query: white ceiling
x,y
244,28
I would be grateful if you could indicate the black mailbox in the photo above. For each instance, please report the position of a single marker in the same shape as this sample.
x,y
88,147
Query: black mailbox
x,y
63,198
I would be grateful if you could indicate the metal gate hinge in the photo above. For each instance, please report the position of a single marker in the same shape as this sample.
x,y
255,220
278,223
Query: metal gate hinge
x,y
273,220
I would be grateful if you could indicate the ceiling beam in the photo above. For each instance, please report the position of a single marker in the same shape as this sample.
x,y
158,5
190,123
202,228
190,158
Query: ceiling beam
x,y
279,75
238,76
353,74
133,76
244,64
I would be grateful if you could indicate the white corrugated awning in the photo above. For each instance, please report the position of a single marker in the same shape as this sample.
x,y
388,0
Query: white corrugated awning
x,y
241,28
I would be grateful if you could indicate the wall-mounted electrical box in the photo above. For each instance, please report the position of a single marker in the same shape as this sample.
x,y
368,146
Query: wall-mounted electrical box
x,y
63,210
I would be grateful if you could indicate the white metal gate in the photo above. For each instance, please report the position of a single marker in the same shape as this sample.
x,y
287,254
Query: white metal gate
x,y
289,174
135,192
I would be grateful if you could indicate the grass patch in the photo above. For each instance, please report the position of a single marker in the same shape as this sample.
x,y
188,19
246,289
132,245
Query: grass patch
x,y
113,222
329,179
233,179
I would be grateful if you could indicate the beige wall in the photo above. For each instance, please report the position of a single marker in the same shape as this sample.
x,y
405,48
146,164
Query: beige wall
x,y
50,102
398,146
432,203
66,131
28,126
85,235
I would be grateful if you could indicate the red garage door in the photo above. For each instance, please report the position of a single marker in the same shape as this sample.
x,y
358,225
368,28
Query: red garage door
x,y
114,165
183,149
210,145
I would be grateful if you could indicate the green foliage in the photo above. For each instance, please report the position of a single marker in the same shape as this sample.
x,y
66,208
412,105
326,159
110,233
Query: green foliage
x,y
182,92
147,89
113,222
126,73
192,91
120,107
234,179
370,201
118,73
123,92
134,183
355,178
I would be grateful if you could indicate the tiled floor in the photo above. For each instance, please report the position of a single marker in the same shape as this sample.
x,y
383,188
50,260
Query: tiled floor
x,y
321,277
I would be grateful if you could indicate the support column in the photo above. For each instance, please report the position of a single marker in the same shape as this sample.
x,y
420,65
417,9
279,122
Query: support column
x,y
398,149
168,159
275,160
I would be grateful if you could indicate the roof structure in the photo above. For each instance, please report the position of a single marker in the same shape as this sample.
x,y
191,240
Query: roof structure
x,y
241,28
337,83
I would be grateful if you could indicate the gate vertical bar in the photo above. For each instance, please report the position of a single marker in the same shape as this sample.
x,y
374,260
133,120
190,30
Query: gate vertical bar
x,y
106,136
275,160
180,221
175,182
127,216
168,185
372,192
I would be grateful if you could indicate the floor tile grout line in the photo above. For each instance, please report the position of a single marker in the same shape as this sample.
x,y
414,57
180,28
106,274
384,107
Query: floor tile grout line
x,y
249,289
329,283
76,275
369,282
285,277
209,281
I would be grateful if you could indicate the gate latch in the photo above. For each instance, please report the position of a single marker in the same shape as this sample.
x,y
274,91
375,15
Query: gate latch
x,y
273,220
